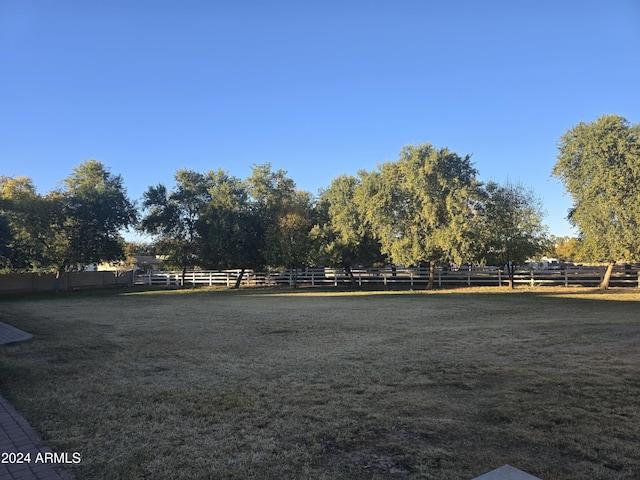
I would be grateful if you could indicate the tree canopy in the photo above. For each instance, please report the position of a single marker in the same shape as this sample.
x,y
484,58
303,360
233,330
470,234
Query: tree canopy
x,y
420,207
70,228
228,225
599,163
25,221
96,209
342,236
511,222
425,208
172,217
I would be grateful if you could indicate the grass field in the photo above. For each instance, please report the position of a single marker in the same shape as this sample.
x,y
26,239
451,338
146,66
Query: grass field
x,y
272,384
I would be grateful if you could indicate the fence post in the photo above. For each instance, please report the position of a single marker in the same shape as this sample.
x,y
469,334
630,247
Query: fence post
x,y
566,279
384,278
411,274
469,277
313,278
499,278
439,278
227,279
360,279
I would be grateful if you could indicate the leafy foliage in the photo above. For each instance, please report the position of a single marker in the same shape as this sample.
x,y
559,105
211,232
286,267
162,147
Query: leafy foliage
x,y
419,207
342,235
511,224
227,225
96,208
272,194
66,229
287,239
599,163
25,226
425,208
172,216
566,249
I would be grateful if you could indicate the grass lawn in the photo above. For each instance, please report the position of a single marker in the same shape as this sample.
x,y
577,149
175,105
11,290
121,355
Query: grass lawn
x,y
273,384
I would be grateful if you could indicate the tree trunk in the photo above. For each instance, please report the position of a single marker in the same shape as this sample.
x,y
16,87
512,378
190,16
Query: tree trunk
x,y
184,274
512,270
607,276
432,275
239,280
56,282
349,273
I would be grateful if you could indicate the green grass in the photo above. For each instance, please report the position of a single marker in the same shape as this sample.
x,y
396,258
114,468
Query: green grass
x,y
273,384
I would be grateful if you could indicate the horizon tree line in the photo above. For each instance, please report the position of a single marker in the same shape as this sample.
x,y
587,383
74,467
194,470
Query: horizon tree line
x,y
427,208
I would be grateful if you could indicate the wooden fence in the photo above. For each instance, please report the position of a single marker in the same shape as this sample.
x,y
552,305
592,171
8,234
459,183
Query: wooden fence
x,y
317,277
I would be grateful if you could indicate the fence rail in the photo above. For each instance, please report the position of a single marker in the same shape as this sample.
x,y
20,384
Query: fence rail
x,y
316,277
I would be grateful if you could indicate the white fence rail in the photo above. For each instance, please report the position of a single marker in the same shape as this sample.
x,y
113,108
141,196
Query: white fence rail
x,y
584,276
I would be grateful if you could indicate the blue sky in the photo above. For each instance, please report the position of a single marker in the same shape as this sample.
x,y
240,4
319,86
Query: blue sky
x,y
318,88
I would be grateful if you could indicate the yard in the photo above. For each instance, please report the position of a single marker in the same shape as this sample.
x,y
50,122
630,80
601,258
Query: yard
x,y
283,384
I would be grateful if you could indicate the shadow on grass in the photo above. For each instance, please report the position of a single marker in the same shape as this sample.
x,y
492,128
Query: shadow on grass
x,y
616,294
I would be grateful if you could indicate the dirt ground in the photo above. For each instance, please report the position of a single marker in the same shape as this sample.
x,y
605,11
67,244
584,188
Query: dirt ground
x,y
273,384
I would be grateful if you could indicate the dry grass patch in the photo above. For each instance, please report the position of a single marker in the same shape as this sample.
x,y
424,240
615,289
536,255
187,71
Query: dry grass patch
x,y
323,385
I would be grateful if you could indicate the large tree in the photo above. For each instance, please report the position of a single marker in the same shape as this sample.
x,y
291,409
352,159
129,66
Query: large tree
x,y
70,228
287,239
269,192
228,226
342,236
27,226
510,225
420,207
599,163
96,209
172,216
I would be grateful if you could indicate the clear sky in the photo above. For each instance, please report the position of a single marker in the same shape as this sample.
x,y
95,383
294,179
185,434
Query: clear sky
x,y
317,88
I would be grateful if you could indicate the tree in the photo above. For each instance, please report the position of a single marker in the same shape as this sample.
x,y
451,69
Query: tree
x,y
38,237
172,216
599,163
287,239
420,207
228,226
216,220
510,225
342,235
567,249
6,239
268,192
96,209
135,248
21,210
